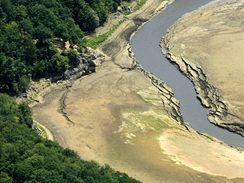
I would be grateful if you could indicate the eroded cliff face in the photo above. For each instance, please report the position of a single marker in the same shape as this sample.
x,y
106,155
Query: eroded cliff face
x,y
208,46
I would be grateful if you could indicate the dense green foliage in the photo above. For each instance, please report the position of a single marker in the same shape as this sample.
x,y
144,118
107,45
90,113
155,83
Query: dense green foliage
x,y
26,157
28,29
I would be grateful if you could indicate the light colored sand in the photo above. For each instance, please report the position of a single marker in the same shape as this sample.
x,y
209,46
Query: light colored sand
x,y
201,154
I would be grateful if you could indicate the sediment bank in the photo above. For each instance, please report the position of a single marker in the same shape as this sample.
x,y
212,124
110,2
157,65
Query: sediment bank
x,y
208,64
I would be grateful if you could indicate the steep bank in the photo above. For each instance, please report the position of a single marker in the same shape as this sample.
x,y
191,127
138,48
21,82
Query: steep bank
x,y
207,45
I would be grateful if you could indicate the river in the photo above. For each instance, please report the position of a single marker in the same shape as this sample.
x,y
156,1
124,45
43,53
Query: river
x,y
146,47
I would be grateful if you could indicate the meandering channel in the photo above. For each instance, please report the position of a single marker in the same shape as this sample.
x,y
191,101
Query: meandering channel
x,y
145,45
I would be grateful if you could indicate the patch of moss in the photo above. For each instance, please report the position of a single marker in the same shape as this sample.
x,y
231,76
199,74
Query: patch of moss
x,y
137,121
150,95
40,130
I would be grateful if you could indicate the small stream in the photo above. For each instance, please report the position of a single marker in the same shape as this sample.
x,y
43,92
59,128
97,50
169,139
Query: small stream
x,y
145,45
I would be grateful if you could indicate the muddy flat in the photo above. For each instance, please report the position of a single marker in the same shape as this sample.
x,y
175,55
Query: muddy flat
x,y
116,117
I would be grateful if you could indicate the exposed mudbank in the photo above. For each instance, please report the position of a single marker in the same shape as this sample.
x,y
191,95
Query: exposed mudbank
x,y
170,103
221,112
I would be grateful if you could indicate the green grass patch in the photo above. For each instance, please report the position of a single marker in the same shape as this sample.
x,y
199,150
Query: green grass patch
x,y
139,4
40,130
95,41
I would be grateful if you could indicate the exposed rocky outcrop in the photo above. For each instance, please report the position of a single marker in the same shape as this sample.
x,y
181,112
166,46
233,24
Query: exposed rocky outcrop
x,y
86,64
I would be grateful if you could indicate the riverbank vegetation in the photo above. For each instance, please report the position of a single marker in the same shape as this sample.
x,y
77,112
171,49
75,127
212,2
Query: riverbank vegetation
x,y
95,41
140,3
26,157
29,29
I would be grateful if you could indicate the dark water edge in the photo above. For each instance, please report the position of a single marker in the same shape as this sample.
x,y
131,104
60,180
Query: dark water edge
x,y
146,47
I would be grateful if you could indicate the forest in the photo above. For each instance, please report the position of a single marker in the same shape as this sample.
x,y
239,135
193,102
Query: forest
x,y
28,29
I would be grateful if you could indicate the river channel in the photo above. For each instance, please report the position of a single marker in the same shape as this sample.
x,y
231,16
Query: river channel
x,y
146,47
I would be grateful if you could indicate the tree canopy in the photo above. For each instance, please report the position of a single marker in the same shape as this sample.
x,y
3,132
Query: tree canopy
x,y
28,29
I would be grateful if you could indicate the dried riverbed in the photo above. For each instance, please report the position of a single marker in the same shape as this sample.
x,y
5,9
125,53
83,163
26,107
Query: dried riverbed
x,y
116,116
